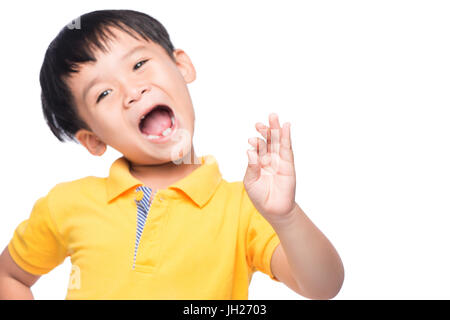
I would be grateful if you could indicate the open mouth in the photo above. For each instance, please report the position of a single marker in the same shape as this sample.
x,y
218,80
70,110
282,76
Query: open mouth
x,y
158,123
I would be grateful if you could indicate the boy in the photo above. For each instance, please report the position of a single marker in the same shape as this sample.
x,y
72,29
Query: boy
x,y
164,224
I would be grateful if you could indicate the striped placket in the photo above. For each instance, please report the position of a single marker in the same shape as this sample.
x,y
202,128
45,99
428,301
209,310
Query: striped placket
x,y
143,206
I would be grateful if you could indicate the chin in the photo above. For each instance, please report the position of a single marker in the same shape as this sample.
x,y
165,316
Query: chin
x,y
178,154
182,154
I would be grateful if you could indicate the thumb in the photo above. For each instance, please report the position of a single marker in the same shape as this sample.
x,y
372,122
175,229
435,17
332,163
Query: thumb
x,y
254,167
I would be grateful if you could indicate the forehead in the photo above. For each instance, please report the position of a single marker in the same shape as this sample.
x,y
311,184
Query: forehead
x,y
115,48
120,42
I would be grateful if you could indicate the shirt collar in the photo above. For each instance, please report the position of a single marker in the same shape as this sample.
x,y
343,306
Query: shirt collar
x,y
199,185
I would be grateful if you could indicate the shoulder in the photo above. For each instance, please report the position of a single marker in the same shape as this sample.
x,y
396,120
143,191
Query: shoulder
x,y
64,201
77,191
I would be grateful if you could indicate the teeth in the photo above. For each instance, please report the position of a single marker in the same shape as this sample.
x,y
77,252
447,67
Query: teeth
x,y
166,132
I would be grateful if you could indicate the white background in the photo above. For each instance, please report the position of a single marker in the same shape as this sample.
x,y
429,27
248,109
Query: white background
x,y
365,85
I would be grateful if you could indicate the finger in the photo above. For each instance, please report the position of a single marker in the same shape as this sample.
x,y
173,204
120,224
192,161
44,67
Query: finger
x,y
273,133
274,122
254,167
265,132
265,160
262,129
259,144
285,139
252,158
285,143
275,140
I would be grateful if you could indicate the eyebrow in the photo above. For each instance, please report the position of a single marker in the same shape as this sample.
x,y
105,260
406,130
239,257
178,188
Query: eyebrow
x,y
125,56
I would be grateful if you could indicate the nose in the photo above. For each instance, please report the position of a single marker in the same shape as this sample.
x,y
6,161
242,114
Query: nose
x,y
134,94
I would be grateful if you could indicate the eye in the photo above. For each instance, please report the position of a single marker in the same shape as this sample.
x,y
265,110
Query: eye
x,y
139,64
102,95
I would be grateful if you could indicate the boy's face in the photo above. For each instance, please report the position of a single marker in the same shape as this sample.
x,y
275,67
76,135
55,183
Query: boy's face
x,y
114,93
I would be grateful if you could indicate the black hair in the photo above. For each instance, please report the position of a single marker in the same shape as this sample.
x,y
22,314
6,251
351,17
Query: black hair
x,y
75,44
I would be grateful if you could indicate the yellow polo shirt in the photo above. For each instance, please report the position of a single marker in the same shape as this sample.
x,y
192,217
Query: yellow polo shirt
x,y
201,237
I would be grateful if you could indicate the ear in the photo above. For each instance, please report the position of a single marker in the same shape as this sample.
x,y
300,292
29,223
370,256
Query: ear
x,y
91,142
185,65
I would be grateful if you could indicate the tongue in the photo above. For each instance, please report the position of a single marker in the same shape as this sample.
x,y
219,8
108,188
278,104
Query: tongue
x,y
156,122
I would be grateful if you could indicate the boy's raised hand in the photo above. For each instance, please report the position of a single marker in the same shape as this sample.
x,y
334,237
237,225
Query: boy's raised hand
x,y
270,176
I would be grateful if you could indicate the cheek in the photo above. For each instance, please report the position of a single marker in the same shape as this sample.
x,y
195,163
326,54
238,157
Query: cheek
x,y
109,125
170,77
172,83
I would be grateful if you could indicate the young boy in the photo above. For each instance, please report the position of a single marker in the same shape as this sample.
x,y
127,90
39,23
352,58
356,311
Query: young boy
x,y
164,224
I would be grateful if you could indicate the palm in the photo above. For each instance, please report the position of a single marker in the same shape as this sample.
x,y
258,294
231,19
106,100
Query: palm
x,y
270,177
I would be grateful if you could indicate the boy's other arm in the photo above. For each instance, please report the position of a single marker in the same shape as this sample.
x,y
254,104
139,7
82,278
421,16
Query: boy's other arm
x,y
15,283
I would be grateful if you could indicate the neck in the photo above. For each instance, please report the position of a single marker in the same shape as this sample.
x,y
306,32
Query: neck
x,y
160,176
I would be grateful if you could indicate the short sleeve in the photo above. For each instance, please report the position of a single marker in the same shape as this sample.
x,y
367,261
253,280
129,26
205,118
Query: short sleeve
x,y
261,240
36,246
